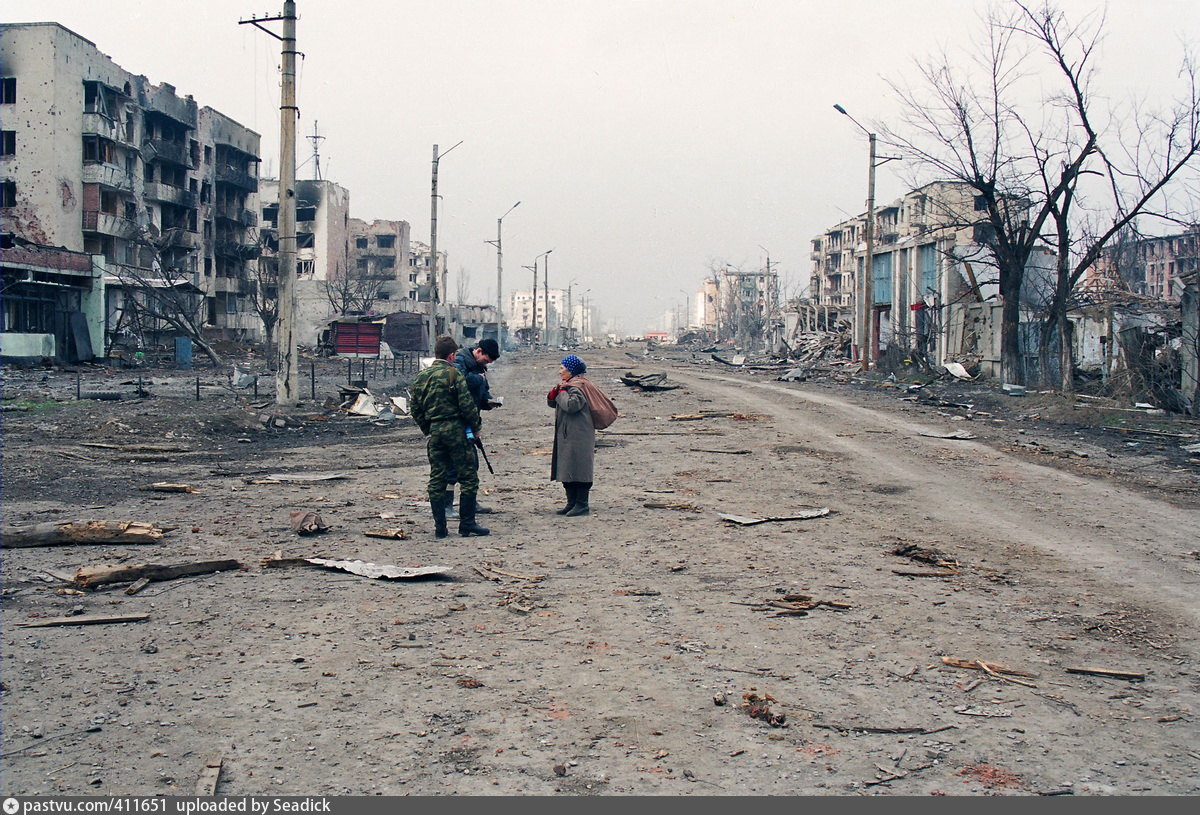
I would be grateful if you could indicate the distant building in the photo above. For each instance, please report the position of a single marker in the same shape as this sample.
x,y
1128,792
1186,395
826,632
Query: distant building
x,y
1157,267
100,161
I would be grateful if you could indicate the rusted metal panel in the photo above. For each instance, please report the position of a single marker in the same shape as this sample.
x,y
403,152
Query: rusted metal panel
x,y
357,339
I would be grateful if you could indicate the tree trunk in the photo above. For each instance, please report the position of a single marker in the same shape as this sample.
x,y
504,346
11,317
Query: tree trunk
x,y
1011,372
1066,354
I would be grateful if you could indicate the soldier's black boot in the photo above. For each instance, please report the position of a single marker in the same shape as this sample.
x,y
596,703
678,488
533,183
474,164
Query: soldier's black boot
x,y
466,517
581,501
569,486
449,504
438,505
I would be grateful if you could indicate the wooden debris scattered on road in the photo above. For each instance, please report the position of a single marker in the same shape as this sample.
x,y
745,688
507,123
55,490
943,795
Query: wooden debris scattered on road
x,y
395,533
210,776
648,382
926,555
989,711
487,571
717,414
992,669
798,605
950,434
94,619
90,576
803,515
727,452
1133,676
73,533
138,448
163,486
683,505
279,478
911,573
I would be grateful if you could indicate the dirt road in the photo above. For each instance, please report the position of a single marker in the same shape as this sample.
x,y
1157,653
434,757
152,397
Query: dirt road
x,y
652,648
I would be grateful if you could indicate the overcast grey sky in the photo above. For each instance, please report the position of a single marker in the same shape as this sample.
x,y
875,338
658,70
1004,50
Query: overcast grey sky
x,y
646,140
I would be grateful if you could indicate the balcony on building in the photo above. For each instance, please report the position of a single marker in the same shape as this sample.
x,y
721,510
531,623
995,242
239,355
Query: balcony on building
x,y
171,194
236,177
106,223
107,175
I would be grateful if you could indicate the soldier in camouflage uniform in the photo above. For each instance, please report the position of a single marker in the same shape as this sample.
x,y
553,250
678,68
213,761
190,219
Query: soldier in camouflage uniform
x,y
443,408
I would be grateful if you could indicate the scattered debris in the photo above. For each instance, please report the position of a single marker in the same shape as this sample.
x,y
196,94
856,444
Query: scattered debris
x,y
163,486
210,775
306,523
803,515
957,370
991,711
683,505
480,570
1133,676
925,555
90,576
357,567
950,434
95,619
74,533
728,452
911,573
992,669
395,533
648,382
276,478
798,605
991,776
469,682
759,707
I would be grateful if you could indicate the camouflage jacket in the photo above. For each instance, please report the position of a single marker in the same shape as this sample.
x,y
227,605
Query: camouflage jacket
x,y
439,394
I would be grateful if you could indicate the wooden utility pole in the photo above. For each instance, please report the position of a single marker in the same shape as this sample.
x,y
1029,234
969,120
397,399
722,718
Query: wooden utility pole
x,y
287,369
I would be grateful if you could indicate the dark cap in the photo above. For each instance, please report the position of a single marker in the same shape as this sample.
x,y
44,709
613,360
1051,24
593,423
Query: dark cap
x,y
490,347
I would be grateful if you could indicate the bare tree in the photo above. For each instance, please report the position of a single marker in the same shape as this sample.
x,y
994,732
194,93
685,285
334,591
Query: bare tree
x,y
264,296
353,293
160,295
1030,146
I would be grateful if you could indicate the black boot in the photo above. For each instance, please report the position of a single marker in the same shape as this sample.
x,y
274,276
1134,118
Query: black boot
x,y
569,486
466,517
448,503
438,505
581,501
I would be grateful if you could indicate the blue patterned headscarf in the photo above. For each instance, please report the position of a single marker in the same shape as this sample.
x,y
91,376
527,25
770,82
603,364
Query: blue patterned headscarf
x,y
574,364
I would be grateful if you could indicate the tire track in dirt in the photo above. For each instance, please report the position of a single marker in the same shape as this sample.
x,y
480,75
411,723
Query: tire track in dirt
x,y
1103,531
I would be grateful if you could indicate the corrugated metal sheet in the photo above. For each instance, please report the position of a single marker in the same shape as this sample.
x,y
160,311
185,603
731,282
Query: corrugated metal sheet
x,y
357,339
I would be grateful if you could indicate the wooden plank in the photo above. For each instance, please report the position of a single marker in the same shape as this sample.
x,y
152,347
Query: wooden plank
x,y
94,619
88,576
210,775
71,533
1134,676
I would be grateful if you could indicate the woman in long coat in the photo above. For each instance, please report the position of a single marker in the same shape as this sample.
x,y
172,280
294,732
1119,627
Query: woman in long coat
x,y
574,437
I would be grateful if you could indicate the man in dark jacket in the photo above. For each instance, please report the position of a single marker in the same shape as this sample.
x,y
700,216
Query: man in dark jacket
x,y
473,363
442,407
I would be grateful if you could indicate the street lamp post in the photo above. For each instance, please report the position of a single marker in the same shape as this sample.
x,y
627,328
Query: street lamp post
x,y
866,293
545,296
569,338
500,277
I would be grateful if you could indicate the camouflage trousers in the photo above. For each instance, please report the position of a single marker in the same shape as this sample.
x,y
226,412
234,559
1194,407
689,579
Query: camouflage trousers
x,y
451,455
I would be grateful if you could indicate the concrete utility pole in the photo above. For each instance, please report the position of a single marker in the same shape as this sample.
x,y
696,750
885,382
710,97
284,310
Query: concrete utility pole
x,y
438,288
533,309
866,288
288,361
500,277
546,297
